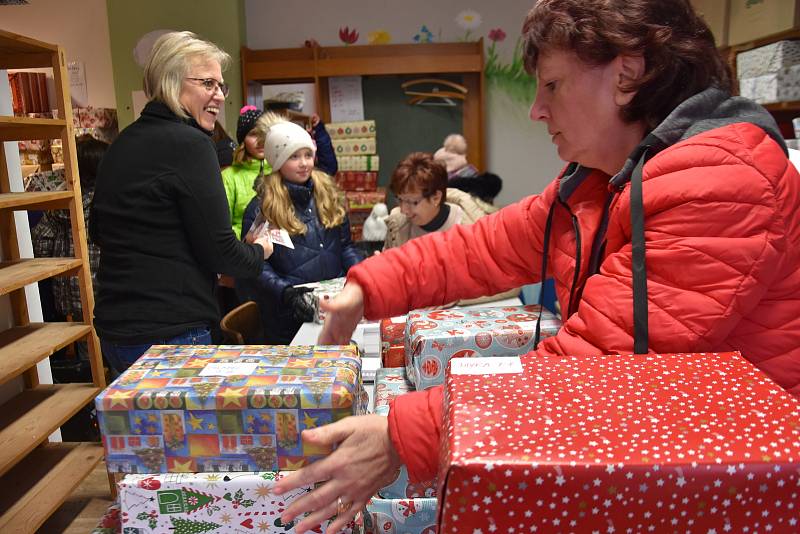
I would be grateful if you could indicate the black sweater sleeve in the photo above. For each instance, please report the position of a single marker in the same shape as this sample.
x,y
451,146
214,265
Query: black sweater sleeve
x,y
203,208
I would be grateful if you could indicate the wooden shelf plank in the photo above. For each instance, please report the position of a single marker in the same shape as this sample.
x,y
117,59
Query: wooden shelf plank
x,y
23,347
15,274
28,418
13,43
45,200
42,482
22,128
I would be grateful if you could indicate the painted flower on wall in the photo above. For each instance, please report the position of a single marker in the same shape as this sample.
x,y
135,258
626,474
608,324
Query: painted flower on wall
x,y
379,37
348,36
496,35
469,19
424,35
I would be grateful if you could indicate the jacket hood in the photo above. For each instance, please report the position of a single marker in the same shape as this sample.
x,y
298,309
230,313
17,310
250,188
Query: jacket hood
x,y
707,110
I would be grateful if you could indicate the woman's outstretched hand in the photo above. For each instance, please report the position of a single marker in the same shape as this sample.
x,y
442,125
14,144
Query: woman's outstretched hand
x,y
364,461
342,314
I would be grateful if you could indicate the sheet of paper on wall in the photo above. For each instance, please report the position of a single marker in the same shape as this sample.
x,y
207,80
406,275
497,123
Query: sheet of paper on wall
x,y
77,84
347,101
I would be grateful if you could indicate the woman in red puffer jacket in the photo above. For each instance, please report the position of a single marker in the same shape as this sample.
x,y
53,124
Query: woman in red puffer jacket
x,y
632,91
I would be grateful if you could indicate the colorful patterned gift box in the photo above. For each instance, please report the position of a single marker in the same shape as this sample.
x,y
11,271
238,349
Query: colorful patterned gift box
x,y
225,408
184,503
356,146
401,516
389,383
621,443
393,333
344,130
359,163
357,180
433,337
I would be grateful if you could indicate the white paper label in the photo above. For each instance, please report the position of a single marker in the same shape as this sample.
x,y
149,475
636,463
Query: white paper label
x,y
400,319
486,366
228,369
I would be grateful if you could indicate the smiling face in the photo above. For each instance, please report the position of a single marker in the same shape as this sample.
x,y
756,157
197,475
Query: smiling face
x,y
298,167
419,210
580,104
200,103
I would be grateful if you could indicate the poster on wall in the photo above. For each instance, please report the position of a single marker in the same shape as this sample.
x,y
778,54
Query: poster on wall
x,y
347,101
77,84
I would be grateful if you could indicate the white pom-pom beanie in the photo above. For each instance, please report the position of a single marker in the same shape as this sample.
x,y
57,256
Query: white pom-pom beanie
x,y
284,139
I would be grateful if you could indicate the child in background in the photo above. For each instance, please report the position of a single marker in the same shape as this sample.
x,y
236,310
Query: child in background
x,y
248,164
52,236
307,204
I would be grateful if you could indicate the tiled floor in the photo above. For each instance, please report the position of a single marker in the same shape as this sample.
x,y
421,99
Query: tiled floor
x,y
82,511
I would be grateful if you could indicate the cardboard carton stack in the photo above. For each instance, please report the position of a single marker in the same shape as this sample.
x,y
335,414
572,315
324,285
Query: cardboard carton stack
x,y
355,144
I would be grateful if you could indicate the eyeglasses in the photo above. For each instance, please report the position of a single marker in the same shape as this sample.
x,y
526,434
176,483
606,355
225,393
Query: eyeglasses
x,y
211,85
411,203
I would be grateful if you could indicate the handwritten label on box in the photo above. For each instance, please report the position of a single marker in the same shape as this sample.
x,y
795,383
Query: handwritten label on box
x,y
229,369
486,366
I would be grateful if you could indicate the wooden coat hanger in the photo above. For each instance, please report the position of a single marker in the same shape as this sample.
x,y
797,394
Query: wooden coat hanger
x,y
434,96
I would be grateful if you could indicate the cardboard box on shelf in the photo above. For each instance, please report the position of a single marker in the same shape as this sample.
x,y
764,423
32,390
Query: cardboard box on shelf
x,y
634,443
781,86
354,147
225,408
750,21
344,130
767,59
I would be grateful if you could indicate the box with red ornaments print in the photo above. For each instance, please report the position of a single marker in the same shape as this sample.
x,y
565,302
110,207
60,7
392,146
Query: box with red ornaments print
x,y
393,333
620,443
191,408
434,336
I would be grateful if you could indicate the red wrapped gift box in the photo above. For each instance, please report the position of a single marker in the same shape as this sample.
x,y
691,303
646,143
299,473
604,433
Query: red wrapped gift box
x,y
622,443
392,348
357,180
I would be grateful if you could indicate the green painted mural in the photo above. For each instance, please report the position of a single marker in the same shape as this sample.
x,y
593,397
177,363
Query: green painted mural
x,y
220,22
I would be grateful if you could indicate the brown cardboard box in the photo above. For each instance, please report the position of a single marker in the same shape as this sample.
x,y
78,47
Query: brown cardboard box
x,y
756,19
715,13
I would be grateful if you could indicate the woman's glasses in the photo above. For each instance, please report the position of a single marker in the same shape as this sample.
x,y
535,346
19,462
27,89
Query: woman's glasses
x,y
410,202
211,85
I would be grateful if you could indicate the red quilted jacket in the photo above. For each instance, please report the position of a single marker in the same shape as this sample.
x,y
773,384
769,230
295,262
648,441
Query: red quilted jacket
x,y
722,227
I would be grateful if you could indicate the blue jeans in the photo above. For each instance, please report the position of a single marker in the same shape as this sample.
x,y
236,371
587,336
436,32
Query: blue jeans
x,y
120,357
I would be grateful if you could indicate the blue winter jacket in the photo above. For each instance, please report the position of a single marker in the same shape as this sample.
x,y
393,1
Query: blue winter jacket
x,y
319,254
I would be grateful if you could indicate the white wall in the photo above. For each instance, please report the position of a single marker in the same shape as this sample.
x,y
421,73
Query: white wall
x,y
518,151
80,27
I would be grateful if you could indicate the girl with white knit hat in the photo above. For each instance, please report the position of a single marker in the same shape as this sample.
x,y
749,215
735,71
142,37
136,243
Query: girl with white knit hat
x,y
306,203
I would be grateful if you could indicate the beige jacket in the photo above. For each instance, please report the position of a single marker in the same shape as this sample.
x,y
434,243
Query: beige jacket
x,y
464,209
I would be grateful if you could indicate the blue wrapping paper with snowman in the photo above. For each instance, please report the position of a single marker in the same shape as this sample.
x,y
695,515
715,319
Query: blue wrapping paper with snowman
x,y
433,337
400,516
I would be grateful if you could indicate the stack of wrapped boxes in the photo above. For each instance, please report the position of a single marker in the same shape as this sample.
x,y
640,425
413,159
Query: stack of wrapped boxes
x,y
355,145
415,350
204,432
770,73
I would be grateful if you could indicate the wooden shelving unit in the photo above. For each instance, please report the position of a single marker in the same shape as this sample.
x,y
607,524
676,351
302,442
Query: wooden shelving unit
x,y
317,64
37,476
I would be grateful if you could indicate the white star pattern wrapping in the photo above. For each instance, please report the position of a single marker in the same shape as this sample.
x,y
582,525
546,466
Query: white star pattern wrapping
x,y
621,443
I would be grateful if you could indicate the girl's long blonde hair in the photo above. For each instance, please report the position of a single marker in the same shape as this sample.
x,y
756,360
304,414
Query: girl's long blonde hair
x,y
277,206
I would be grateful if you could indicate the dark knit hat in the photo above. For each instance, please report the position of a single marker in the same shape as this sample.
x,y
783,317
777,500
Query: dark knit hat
x,y
248,116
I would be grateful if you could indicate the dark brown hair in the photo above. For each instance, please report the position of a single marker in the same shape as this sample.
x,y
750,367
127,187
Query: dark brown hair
x,y
680,56
418,171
